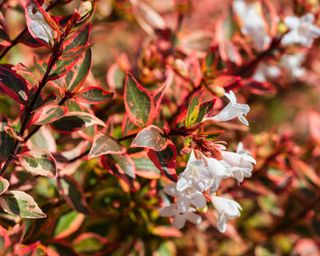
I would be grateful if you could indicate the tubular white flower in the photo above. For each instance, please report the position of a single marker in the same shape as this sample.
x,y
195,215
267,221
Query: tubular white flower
x,y
264,72
217,171
226,209
239,164
292,63
302,31
253,24
232,110
196,175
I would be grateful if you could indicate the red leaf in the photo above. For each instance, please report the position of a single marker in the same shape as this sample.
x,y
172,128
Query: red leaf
x,y
165,160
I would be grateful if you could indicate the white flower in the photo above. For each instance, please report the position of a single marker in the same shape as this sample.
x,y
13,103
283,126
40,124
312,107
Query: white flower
x,y
292,63
187,198
232,110
240,164
196,175
264,72
179,219
253,24
302,31
226,209
217,171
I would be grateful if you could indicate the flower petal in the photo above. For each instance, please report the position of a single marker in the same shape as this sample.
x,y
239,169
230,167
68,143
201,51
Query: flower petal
x,y
179,221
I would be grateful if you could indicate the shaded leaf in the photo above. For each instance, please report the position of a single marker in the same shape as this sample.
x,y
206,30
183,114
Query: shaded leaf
x,y
103,144
165,160
6,141
21,204
151,137
4,185
13,85
138,102
39,162
73,194
74,121
89,243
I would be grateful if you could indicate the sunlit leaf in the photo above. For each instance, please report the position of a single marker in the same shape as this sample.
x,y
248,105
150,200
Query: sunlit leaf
x,y
103,144
151,137
39,162
21,204
138,102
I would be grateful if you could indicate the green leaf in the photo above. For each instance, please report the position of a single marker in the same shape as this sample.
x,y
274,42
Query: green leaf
x,y
89,243
73,194
68,224
151,137
103,145
21,204
39,162
4,185
93,95
125,164
138,102
75,121
193,112
49,114
76,43
79,72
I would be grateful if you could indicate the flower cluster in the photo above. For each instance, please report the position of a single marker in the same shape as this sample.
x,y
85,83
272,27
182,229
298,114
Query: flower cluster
x,y
204,175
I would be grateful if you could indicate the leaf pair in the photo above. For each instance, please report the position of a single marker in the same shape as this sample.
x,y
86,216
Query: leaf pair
x,y
18,202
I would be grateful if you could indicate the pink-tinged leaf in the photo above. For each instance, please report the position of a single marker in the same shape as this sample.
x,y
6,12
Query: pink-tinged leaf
x,y
68,224
43,139
40,25
138,102
164,231
151,137
76,43
39,162
73,194
93,95
225,30
33,249
103,144
75,121
21,204
13,85
115,77
228,82
146,168
149,20
49,114
301,167
259,88
125,165
120,166
314,126
4,185
165,160
89,243
77,76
